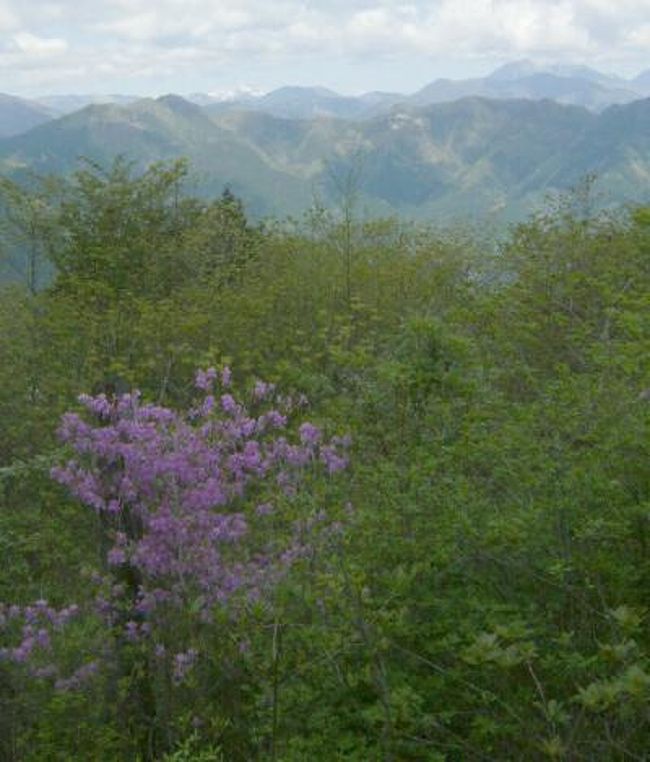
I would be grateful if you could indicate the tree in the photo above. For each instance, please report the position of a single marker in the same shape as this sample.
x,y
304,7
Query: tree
x,y
27,229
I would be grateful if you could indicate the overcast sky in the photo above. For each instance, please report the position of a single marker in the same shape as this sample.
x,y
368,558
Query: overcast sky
x,y
157,46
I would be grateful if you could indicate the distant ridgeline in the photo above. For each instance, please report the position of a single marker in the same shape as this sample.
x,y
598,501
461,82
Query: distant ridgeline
x,y
473,157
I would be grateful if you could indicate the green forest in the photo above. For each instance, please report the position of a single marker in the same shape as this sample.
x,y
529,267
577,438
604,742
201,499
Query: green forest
x,y
384,493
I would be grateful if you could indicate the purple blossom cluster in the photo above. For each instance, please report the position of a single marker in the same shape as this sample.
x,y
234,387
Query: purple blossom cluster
x,y
31,628
32,625
179,495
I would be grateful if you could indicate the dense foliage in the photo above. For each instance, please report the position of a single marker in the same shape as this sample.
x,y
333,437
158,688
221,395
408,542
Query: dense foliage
x,y
206,578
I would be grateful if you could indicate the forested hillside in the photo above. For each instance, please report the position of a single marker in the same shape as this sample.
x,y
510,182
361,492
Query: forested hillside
x,y
384,493
488,160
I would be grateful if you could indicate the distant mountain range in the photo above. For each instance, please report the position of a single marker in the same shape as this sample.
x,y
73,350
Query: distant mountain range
x,y
571,85
19,115
576,86
473,156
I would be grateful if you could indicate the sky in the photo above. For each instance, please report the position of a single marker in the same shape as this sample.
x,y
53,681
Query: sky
x,y
151,47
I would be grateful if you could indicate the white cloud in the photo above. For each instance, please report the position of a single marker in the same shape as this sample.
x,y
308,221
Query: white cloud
x,y
476,28
8,19
33,45
190,20
640,37
110,43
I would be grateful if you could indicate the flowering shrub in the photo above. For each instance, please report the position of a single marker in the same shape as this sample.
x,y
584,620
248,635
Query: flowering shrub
x,y
34,624
187,504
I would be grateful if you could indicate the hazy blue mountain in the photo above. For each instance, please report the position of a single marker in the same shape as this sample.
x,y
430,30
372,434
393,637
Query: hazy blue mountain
x,y
19,115
151,130
586,72
526,68
473,156
67,104
578,86
563,83
208,99
642,81
568,84
310,103
513,70
617,148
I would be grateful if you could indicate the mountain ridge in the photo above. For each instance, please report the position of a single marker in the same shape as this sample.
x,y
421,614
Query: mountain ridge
x,y
571,84
470,156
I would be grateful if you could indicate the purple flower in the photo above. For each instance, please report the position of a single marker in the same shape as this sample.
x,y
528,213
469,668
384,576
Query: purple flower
x,y
113,506
333,462
116,557
205,378
99,406
309,434
264,509
43,639
228,404
183,663
273,420
208,406
262,390
132,631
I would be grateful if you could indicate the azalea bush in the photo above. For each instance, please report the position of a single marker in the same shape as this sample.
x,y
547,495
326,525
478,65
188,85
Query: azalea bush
x,y
197,523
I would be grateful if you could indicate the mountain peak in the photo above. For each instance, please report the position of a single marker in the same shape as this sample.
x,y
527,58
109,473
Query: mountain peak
x,y
301,90
580,71
514,70
178,104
